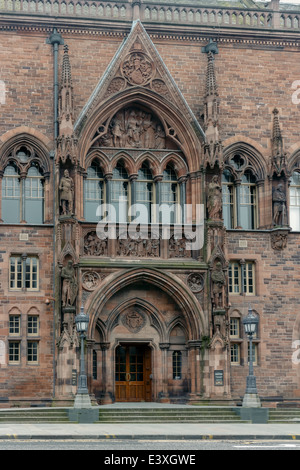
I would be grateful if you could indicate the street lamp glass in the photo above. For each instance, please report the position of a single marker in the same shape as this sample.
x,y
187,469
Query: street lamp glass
x,y
81,321
250,322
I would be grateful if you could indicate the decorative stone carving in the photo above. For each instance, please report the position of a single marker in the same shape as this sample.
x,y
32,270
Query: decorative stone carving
x,y
279,206
160,87
140,247
138,68
214,198
134,128
69,285
195,281
218,284
94,246
117,84
134,320
177,247
279,240
90,280
66,197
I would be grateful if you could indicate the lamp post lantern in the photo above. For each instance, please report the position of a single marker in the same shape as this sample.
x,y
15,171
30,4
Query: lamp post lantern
x,y
251,398
82,399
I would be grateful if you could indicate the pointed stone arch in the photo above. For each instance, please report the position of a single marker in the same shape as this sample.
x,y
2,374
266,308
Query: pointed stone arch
x,y
169,283
256,155
23,136
176,126
155,89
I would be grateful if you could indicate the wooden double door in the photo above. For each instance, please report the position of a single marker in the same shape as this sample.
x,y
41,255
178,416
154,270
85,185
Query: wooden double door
x,y
133,373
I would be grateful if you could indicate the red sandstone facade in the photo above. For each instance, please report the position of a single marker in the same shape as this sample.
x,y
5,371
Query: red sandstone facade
x,y
147,101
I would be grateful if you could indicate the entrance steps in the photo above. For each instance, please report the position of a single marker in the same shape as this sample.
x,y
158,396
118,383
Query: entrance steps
x,y
284,415
169,415
33,415
125,414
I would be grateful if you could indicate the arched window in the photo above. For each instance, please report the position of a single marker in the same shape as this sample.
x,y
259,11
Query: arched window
x,y
34,196
239,197
295,201
169,196
145,193
120,192
93,192
23,185
11,195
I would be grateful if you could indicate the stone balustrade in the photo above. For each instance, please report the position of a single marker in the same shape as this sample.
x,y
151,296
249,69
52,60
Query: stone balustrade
x,y
159,13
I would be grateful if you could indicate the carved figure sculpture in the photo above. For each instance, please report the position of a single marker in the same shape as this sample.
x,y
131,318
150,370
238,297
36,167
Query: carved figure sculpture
x,y
214,198
66,188
134,128
218,283
69,284
279,206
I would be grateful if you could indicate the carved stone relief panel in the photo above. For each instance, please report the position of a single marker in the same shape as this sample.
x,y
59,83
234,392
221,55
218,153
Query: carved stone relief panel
x,y
94,246
137,68
178,247
90,280
195,281
133,128
134,320
140,247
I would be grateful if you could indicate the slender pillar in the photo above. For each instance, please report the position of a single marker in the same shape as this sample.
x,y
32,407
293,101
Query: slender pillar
x,y
164,368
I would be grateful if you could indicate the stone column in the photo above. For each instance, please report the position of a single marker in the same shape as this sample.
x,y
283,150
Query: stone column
x,y
22,188
164,398
237,203
105,397
194,366
1,177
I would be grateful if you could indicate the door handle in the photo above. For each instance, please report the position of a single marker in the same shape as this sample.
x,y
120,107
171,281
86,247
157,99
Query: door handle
x,y
128,377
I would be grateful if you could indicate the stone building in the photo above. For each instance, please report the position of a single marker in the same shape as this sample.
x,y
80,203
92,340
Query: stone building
x,y
149,172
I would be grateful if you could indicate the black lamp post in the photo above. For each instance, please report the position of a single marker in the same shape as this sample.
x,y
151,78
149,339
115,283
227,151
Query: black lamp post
x,y
251,398
82,399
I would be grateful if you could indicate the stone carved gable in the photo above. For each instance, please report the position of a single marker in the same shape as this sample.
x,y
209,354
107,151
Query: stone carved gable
x,y
137,63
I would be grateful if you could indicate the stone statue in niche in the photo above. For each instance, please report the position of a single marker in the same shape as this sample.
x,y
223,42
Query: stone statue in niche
x,y
94,246
218,284
134,128
69,284
214,198
66,196
279,206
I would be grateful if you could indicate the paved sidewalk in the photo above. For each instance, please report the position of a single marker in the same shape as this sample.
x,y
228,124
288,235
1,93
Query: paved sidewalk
x,y
234,431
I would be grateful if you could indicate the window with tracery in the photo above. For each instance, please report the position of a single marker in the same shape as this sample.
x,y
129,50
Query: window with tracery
x,y
22,194
239,193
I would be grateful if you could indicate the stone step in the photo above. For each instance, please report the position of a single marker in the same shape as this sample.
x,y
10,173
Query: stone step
x,y
166,421
161,412
141,413
34,416
288,415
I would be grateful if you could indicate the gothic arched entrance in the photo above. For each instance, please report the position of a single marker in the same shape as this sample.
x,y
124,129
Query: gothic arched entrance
x,y
147,344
